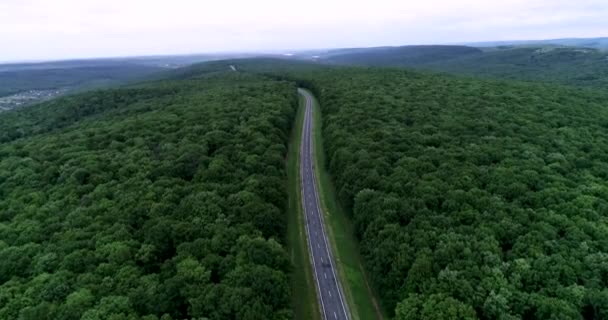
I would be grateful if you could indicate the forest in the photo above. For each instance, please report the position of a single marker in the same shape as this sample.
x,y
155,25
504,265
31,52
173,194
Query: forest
x,y
163,200
472,199
576,66
583,67
23,78
397,56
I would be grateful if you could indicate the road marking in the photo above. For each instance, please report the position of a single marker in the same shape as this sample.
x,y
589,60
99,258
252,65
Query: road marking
x,y
314,214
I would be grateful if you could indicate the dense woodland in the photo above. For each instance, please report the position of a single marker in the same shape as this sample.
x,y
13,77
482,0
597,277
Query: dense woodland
x,y
586,67
595,43
397,56
159,201
17,78
472,199
567,66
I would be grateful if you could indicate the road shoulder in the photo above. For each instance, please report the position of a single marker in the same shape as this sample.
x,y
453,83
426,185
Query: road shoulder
x,y
359,294
304,294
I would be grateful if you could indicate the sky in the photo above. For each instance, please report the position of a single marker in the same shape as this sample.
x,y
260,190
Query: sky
x,y
62,29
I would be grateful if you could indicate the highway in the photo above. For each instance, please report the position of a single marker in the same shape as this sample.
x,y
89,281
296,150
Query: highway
x,y
329,291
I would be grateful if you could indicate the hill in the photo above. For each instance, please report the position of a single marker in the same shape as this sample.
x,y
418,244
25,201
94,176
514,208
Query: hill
x,y
472,199
562,65
597,43
25,84
395,56
570,66
164,200
18,78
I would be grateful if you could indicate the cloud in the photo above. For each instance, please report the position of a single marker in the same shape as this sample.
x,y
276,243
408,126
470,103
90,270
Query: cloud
x,y
39,29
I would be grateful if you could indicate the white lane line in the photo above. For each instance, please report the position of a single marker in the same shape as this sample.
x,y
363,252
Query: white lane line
x,y
320,212
302,185
307,151
325,275
328,291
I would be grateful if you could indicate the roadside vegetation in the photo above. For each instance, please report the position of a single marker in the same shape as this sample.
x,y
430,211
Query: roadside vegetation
x,y
359,295
160,201
472,199
304,295
458,198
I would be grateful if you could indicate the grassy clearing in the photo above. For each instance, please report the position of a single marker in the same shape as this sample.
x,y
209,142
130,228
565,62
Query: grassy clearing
x,y
305,303
360,296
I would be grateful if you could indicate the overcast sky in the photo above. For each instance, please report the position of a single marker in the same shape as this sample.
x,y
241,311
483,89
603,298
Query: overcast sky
x,y
58,29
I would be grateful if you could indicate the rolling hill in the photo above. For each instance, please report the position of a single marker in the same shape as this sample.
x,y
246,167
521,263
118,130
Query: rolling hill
x,y
570,66
472,198
597,43
395,56
14,80
563,65
164,200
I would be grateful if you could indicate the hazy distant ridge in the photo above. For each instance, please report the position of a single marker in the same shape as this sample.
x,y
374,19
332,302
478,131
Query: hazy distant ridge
x,y
598,43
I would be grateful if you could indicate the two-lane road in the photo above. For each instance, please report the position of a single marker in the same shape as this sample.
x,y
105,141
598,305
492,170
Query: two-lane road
x,y
329,290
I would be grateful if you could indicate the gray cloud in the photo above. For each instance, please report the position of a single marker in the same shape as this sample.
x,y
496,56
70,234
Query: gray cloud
x,y
41,29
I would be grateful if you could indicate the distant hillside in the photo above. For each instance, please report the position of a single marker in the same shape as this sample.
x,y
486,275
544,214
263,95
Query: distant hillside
x,y
471,199
152,61
597,43
396,56
570,66
74,77
555,64
164,200
26,84
70,75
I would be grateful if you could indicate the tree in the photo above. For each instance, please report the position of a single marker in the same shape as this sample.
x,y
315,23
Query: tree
x,y
437,307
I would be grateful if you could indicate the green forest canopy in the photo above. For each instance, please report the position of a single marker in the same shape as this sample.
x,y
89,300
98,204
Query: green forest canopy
x,y
71,77
562,65
472,199
160,201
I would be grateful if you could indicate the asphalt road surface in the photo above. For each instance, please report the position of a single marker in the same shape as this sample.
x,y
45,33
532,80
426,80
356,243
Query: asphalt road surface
x,y
329,290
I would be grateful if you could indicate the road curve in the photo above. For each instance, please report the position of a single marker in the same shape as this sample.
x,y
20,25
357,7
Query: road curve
x,y
329,290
